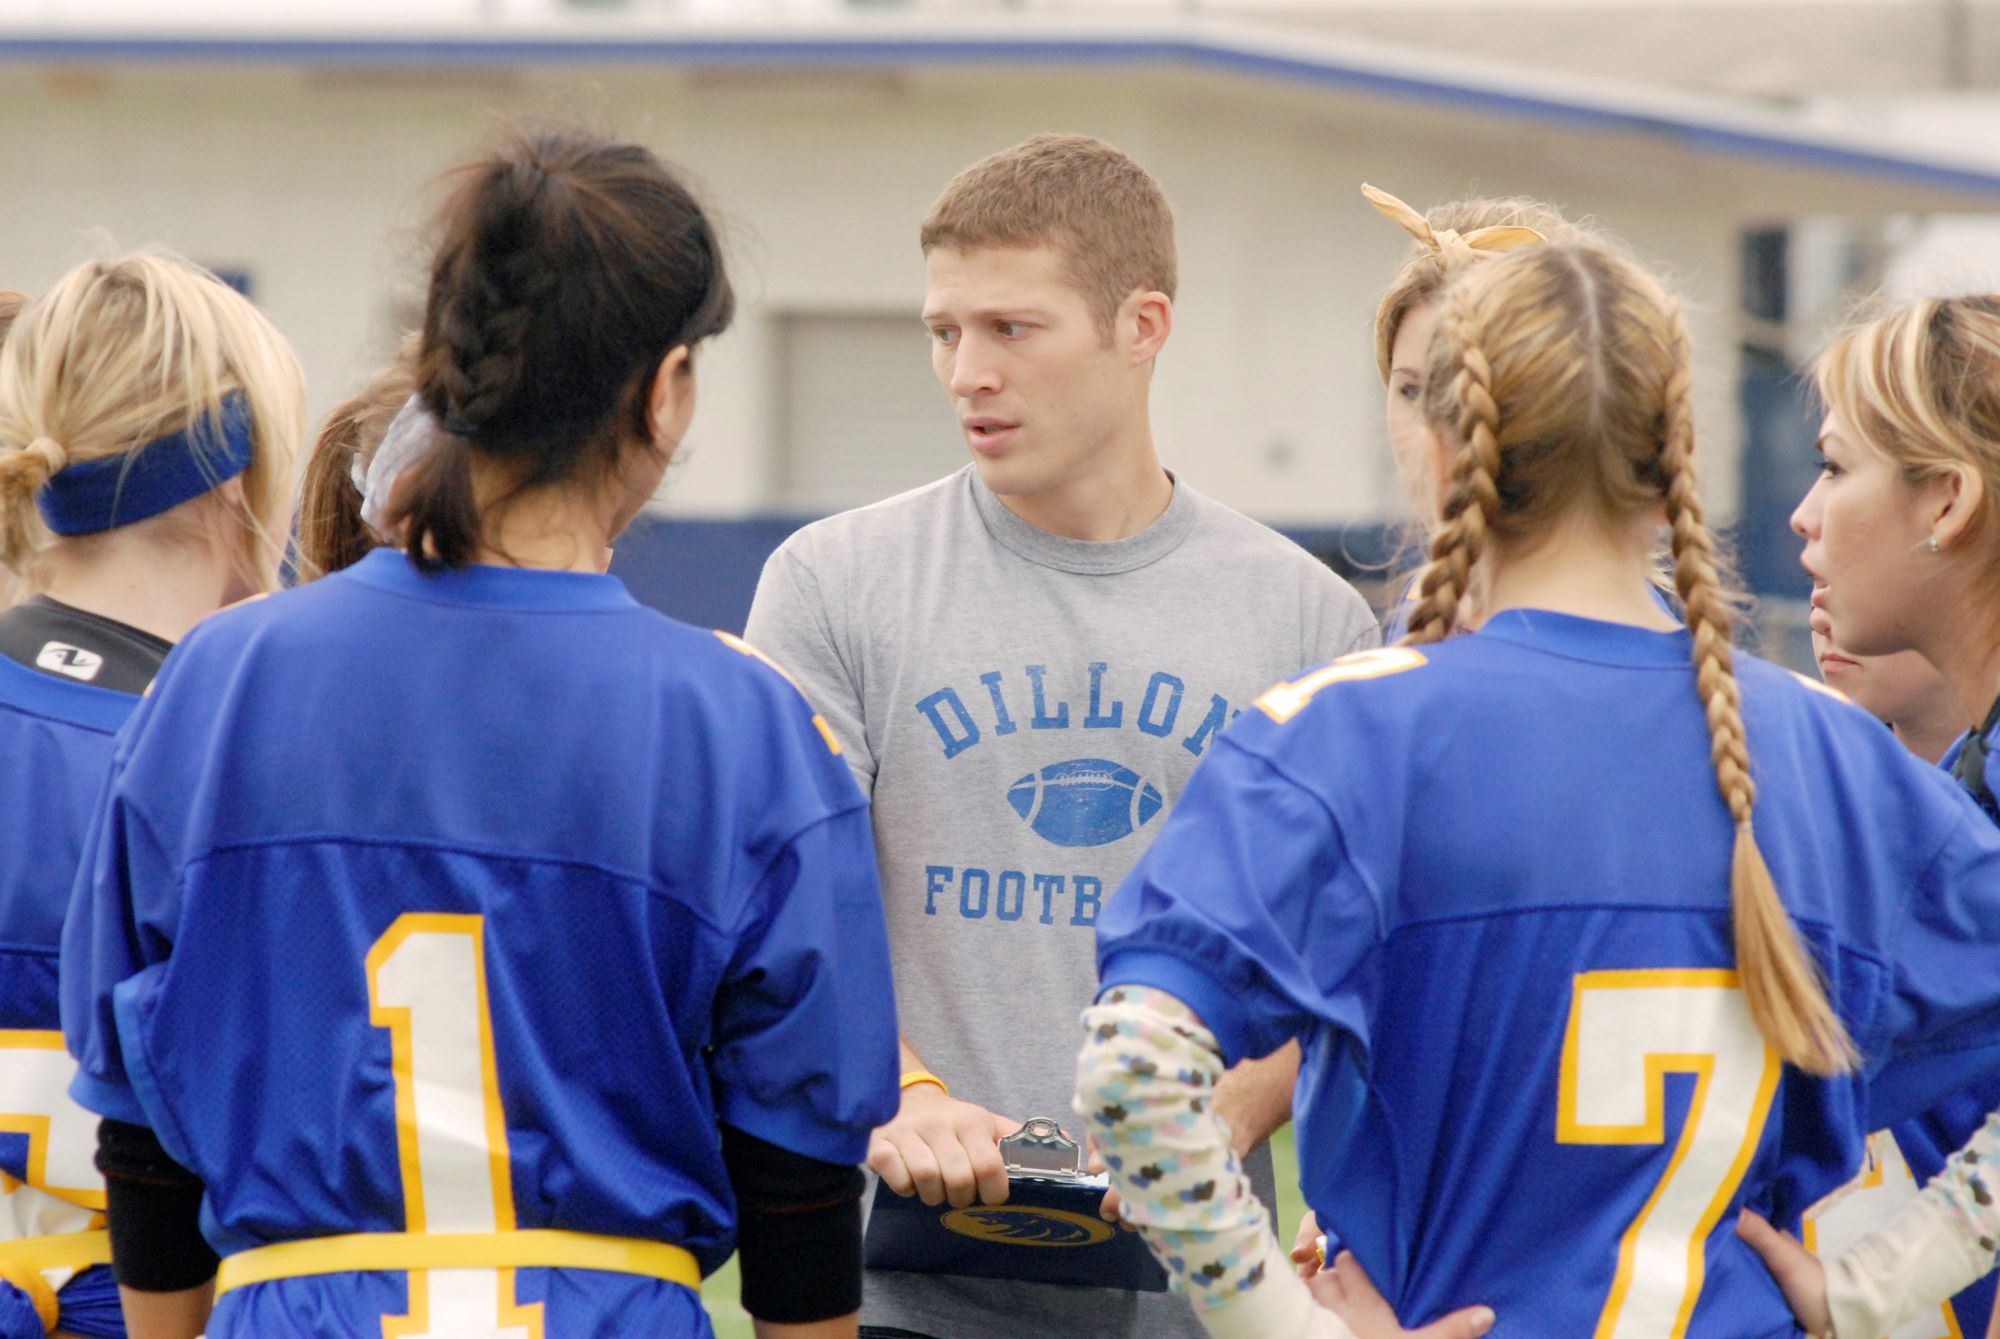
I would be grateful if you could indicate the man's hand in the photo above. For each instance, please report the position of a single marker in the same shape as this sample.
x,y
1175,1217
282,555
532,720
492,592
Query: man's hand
x,y
942,1150
1800,1275
1345,1289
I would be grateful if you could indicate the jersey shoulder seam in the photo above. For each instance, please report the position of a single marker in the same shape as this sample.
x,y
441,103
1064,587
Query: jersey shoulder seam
x,y
1375,899
53,719
1499,913
650,885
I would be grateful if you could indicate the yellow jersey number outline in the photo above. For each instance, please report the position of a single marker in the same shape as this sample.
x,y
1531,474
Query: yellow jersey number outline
x,y
1283,701
1672,992
37,1125
398,1019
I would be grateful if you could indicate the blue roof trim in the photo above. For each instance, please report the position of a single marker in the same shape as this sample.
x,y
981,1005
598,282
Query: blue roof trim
x,y
809,52
1701,137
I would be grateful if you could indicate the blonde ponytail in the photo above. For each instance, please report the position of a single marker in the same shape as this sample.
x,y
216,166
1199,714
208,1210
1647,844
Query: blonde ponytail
x,y
22,471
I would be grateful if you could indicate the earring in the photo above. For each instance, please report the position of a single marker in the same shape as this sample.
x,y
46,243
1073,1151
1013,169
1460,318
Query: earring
x,y
1934,547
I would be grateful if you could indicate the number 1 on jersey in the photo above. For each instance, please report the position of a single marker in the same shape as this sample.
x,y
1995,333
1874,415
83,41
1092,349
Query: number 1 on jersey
x,y
1628,1031
427,986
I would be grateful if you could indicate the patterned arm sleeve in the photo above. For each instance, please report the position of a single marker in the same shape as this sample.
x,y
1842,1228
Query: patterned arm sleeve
x,y
1936,1247
1145,1085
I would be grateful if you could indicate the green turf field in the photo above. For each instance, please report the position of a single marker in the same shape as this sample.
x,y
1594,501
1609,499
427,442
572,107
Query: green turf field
x,y
730,1322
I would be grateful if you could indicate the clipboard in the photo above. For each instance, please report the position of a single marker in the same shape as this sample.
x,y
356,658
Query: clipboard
x,y
1048,1231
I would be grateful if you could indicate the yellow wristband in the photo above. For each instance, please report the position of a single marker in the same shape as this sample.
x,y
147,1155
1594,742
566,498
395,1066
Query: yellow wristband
x,y
917,1076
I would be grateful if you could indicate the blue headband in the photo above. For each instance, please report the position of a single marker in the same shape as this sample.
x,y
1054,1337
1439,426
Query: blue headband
x,y
129,487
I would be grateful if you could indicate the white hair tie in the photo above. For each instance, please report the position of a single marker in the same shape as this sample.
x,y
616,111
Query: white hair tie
x,y
413,434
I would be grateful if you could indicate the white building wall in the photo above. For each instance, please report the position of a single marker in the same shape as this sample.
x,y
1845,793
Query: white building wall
x,y
1267,395
1939,253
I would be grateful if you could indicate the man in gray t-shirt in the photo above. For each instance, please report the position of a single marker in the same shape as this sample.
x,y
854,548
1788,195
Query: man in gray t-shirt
x,y
1023,663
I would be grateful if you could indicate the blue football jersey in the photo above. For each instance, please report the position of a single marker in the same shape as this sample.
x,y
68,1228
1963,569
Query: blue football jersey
x,y
56,738
1487,883
467,903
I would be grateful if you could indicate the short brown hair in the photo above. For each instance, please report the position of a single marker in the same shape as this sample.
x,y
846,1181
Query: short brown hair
x,y
1098,208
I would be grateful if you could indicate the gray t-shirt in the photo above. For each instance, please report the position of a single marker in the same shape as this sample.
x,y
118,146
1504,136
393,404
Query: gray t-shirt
x,y
1024,709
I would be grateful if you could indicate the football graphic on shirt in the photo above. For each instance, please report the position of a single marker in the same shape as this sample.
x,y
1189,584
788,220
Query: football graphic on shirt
x,y
1084,802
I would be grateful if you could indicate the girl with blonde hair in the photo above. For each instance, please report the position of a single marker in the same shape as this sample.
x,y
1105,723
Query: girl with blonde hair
x,y
1573,870
1446,239
1903,544
1902,528
149,417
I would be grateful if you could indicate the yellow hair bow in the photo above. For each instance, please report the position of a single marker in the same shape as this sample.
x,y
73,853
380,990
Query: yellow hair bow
x,y
1451,248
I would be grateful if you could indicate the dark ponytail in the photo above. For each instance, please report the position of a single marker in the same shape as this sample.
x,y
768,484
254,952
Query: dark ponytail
x,y
569,266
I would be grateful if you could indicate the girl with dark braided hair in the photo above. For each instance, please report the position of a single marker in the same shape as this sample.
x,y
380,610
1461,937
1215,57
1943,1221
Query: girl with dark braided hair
x,y
1582,953
499,954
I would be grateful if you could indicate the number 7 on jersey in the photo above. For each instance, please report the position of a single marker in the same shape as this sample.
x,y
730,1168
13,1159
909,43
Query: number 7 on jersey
x,y
1627,1031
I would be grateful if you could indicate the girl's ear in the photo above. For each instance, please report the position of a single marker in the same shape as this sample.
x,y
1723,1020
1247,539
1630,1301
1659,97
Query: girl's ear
x,y
671,386
1954,501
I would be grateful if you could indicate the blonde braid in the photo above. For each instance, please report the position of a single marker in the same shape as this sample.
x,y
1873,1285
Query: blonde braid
x,y
1473,504
1780,981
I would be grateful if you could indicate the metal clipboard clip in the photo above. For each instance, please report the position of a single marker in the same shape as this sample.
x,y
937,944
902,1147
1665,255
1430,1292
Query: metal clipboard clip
x,y
1039,1151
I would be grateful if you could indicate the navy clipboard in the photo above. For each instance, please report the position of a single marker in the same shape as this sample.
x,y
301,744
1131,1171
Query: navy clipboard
x,y
1048,1231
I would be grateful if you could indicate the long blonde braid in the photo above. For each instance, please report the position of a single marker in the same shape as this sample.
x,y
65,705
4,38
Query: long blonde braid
x,y
1473,503
1780,982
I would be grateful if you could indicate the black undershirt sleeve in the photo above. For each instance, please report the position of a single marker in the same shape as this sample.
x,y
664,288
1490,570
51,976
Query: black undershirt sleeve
x,y
798,1235
153,1205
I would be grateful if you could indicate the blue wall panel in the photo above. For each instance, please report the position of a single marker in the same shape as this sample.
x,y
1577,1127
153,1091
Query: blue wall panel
x,y
705,571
